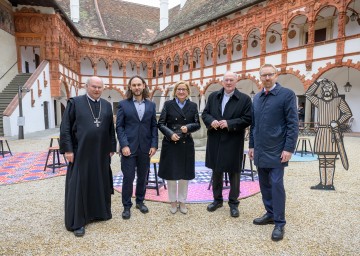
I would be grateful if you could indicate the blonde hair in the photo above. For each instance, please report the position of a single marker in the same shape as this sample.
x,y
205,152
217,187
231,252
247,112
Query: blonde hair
x,y
266,65
180,83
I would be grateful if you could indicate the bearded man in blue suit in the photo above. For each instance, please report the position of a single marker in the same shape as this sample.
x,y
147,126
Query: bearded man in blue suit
x,y
136,129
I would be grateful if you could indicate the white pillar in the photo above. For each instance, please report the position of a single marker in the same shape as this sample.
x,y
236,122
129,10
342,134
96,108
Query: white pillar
x,y
308,111
162,102
202,103
164,14
75,10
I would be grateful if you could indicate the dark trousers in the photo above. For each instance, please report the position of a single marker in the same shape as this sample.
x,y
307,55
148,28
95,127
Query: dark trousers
x,y
140,162
218,179
273,193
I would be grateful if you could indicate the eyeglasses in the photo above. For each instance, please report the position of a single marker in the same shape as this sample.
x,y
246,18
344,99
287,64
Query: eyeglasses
x,y
267,75
181,89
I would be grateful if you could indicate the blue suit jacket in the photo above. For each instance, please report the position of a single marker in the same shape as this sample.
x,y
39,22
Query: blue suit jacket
x,y
134,133
274,126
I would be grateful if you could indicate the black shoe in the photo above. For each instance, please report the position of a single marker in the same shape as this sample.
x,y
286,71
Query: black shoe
x,y
264,220
318,186
329,187
214,205
278,233
79,232
126,214
142,207
234,212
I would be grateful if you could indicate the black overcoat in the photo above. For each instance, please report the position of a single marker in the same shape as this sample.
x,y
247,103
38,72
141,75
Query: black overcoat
x,y
224,148
177,158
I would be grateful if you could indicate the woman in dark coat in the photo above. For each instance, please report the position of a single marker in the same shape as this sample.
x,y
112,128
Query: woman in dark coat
x,y
178,119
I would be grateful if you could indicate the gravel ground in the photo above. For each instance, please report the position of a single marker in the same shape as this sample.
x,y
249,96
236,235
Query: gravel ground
x,y
318,222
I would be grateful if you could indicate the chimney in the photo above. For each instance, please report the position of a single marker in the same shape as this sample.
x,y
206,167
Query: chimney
x,y
75,10
164,14
182,3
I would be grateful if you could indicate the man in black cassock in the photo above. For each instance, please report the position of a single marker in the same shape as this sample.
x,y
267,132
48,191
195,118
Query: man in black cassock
x,y
87,138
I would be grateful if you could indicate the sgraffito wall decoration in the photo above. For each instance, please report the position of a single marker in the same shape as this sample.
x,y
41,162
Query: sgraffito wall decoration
x,y
6,18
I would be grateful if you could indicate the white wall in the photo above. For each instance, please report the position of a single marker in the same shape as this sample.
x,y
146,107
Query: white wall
x,y
34,115
8,58
28,54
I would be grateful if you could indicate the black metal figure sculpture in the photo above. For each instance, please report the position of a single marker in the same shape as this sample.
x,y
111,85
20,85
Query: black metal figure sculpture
x,y
332,112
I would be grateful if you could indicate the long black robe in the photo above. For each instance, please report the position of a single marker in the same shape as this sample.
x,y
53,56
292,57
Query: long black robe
x,y
224,147
89,182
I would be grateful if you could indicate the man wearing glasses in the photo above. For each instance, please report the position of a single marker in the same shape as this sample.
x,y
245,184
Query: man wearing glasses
x,y
273,136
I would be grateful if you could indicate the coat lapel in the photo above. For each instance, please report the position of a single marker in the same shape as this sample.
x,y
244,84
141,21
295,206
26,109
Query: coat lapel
x,y
177,108
220,97
229,107
132,106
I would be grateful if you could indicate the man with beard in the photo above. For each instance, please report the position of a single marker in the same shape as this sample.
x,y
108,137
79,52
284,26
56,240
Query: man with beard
x,y
87,138
136,129
332,112
273,136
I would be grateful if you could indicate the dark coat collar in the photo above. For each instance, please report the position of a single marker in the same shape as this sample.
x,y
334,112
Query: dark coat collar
x,y
274,91
220,93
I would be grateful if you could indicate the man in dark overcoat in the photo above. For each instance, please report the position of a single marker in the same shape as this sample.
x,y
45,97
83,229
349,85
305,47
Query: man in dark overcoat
x,y
226,115
273,136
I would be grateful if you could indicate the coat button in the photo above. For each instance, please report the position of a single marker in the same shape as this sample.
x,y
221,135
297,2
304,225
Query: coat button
x,y
184,142
175,142
175,118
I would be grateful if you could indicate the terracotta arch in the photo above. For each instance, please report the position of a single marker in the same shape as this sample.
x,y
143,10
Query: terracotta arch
x,y
329,66
272,23
118,90
209,83
222,38
251,78
105,61
250,30
206,45
298,13
316,13
236,35
196,85
119,62
90,58
153,92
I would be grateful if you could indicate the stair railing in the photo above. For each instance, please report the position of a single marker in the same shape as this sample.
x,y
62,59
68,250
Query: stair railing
x,y
8,70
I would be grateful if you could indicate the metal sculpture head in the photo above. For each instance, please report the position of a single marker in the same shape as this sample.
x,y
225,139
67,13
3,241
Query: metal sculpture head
x,y
328,88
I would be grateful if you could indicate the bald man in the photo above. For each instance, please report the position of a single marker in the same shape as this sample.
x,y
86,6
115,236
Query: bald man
x,y
87,138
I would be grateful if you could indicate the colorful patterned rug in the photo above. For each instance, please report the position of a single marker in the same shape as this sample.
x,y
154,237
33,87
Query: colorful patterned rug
x,y
29,166
26,166
198,191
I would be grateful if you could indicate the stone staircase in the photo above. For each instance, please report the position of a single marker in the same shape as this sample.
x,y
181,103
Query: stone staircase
x,y
7,95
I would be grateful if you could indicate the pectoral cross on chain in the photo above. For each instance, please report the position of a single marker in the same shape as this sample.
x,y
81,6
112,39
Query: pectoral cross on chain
x,y
97,122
